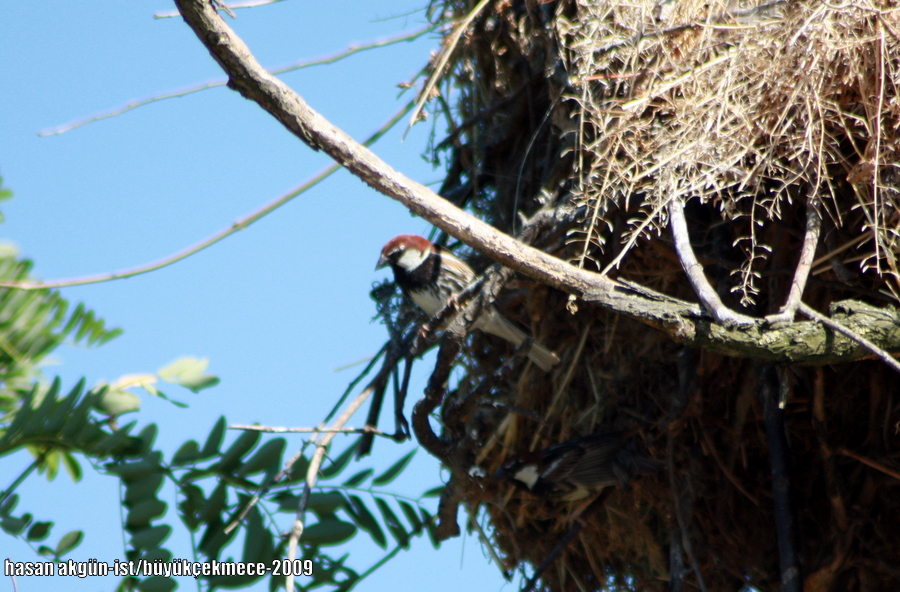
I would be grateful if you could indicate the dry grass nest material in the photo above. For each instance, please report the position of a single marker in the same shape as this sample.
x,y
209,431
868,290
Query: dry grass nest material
x,y
751,113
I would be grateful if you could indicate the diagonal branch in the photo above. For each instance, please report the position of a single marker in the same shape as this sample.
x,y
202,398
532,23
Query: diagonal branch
x,y
738,335
235,226
312,474
253,82
285,430
450,44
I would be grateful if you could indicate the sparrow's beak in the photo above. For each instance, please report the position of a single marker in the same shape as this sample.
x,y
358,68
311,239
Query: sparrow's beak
x,y
382,262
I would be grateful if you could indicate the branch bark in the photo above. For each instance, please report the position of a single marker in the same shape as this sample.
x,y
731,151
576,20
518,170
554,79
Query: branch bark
x,y
798,342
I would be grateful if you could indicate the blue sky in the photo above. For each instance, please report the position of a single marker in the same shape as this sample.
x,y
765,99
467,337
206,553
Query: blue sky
x,y
277,307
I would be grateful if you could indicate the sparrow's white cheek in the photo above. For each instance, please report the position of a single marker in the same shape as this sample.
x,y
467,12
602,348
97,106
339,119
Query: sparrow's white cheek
x,y
527,475
411,259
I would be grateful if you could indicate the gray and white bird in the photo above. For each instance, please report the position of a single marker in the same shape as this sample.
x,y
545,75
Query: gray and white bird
x,y
575,468
430,276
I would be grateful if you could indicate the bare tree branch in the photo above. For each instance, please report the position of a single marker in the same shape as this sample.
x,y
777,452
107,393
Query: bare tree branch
x,y
351,50
281,430
687,323
869,462
235,226
312,474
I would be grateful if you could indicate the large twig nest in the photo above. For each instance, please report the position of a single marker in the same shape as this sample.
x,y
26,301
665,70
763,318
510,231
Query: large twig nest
x,y
750,114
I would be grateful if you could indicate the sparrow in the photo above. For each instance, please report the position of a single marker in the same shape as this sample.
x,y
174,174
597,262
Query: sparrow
x,y
431,276
577,467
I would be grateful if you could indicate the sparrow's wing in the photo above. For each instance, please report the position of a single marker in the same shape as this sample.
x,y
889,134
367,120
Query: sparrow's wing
x,y
633,464
599,466
559,461
457,272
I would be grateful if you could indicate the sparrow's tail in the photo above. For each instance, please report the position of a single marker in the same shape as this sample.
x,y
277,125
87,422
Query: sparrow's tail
x,y
630,464
496,324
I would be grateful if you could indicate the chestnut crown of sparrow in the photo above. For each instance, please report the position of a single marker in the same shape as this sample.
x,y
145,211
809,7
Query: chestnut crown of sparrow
x,y
430,276
579,466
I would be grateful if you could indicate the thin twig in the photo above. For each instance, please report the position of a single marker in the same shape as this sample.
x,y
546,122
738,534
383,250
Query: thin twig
x,y
448,49
880,353
801,273
313,472
236,5
264,489
351,50
834,253
694,271
693,73
240,224
870,463
486,541
280,430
